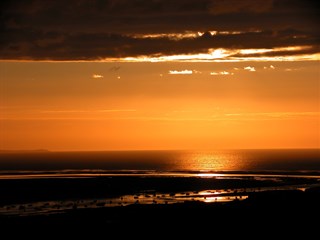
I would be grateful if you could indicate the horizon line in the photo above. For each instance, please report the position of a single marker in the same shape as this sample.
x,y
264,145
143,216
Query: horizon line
x,y
146,150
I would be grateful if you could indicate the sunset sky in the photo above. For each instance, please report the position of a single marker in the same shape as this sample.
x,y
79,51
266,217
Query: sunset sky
x,y
159,74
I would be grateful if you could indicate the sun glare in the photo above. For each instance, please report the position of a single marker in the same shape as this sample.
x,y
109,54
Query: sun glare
x,y
229,55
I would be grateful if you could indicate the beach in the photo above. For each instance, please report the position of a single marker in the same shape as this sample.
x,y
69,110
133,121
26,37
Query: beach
x,y
158,201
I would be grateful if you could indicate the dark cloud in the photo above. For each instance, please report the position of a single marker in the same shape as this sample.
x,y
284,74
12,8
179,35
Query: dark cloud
x,y
230,6
89,29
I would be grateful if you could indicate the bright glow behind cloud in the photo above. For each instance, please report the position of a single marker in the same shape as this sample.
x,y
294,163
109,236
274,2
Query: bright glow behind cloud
x,y
229,55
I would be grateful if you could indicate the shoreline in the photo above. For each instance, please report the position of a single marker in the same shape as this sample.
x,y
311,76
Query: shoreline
x,y
268,205
41,196
278,208
93,173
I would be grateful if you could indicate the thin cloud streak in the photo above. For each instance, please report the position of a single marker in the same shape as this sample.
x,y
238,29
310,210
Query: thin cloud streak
x,y
117,110
247,116
182,72
272,115
97,76
89,111
222,73
250,69
270,67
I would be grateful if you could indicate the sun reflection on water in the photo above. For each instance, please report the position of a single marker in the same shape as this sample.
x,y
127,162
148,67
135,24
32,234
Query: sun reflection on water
x,y
210,175
206,193
212,161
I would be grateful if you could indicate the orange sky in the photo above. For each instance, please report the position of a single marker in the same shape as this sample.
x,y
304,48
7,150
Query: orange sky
x,y
141,105
141,74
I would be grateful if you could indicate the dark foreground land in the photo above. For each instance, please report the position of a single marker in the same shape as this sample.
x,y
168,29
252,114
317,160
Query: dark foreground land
x,y
287,211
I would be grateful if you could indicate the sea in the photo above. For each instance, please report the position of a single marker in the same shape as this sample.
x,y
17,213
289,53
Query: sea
x,y
45,182
42,163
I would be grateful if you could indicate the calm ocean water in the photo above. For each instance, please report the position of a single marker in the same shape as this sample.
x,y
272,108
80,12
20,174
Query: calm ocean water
x,y
164,161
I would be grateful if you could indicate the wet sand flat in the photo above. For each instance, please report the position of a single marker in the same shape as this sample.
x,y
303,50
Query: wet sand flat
x,y
83,204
